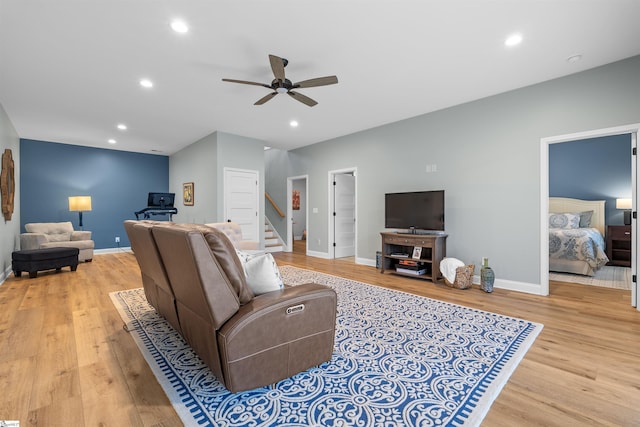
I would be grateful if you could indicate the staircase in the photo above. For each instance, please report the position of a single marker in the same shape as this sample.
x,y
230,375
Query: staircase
x,y
272,240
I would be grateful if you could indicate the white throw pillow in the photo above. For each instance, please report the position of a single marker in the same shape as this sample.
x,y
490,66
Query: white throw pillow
x,y
261,272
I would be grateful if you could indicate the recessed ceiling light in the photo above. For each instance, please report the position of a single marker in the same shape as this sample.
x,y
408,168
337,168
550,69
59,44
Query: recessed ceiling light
x,y
112,141
293,123
179,27
122,126
513,40
574,58
146,83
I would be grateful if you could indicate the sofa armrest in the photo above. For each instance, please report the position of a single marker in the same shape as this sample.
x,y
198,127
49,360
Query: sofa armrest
x,y
32,240
278,317
80,235
276,335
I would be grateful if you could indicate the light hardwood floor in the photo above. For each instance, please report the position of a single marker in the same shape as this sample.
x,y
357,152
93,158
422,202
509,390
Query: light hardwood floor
x,y
66,361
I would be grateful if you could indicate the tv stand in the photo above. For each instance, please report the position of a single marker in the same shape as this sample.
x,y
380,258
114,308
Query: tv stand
x,y
397,247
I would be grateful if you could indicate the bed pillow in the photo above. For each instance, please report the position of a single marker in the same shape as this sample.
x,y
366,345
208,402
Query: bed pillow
x,y
585,219
564,220
261,272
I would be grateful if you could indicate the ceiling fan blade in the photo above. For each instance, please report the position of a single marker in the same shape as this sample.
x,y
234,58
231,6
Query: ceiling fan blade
x,y
245,82
302,98
320,81
265,98
277,65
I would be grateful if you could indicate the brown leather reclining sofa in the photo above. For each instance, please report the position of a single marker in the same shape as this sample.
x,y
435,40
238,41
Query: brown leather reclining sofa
x,y
192,276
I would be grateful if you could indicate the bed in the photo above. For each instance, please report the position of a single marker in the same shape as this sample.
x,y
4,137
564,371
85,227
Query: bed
x,y
576,245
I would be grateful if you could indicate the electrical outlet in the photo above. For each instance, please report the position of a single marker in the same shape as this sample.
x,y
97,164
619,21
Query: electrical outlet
x,y
117,239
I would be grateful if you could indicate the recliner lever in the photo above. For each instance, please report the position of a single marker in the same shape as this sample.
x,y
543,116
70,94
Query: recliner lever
x,y
295,309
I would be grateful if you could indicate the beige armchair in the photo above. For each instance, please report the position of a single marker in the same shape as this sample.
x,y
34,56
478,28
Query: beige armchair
x,y
41,235
234,232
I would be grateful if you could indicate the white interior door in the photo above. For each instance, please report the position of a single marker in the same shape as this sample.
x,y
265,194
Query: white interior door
x,y
241,204
635,300
344,218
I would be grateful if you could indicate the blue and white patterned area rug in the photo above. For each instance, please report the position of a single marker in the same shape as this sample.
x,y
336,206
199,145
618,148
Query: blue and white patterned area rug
x,y
398,360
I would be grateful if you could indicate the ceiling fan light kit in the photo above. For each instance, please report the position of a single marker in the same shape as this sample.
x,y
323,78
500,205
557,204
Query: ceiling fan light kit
x,y
280,84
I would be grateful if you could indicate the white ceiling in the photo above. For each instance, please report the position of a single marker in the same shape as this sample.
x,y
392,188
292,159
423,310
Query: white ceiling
x,y
69,69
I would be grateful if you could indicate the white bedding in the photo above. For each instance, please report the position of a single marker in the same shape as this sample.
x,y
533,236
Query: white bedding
x,y
578,256
579,244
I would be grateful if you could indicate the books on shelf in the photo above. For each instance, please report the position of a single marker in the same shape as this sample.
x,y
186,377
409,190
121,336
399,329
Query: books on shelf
x,y
411,266
415,272
399,255
411,263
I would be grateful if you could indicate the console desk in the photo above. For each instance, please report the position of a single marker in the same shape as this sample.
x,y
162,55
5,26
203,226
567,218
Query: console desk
x,y
397,247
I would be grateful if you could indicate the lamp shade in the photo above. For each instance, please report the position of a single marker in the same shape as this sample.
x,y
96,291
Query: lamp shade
x,y
79,203
623,203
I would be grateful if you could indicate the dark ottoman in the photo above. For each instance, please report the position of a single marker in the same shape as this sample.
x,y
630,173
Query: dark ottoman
x,y
34,260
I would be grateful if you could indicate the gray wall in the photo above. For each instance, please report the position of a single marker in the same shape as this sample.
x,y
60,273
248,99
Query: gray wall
x,y
487,157
203,163
10,230
196,163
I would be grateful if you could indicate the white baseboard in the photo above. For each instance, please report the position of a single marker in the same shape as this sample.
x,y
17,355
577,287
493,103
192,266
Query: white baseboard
x,y
511,285
5,275
366,261
324,255
112,250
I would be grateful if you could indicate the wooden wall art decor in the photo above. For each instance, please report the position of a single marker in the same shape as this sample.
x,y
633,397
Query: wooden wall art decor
x,y
7,184
187,193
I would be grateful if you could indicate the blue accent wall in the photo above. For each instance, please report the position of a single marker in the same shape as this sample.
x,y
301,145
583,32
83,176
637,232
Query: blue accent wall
x,y
117,181
593,169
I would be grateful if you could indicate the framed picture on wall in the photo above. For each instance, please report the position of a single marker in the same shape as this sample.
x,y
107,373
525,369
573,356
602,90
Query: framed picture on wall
x,y
295,202
187,193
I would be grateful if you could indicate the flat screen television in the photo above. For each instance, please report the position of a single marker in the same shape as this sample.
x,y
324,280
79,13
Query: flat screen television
x,y
160,200
419,210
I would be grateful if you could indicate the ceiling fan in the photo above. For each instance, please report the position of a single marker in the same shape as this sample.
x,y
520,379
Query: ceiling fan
x,y
281,84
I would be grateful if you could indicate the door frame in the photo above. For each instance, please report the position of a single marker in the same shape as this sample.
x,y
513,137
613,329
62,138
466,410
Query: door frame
x,y
632,129
289,245
331,220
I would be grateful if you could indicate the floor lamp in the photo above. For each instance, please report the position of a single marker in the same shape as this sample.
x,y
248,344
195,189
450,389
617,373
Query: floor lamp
x,y
79,204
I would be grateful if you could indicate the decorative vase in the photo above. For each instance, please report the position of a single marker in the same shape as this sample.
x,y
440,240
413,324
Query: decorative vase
x,y
487,276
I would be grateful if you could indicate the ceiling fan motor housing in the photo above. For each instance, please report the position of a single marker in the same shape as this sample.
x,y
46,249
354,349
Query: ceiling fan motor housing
x,y
281,86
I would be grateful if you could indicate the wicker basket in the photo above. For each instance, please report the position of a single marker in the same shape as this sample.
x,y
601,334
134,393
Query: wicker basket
x,y
464,277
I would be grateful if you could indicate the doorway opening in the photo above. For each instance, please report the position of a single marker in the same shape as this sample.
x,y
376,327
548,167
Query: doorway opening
x,y
544,198
297,213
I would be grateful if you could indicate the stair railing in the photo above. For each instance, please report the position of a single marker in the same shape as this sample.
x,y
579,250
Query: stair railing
x,y
275,206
